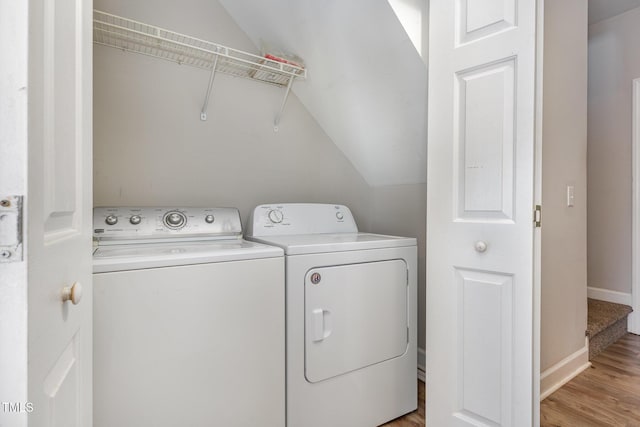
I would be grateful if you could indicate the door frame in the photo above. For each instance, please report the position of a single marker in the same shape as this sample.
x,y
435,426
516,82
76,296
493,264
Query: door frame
x,y
634,318
537,194
14,28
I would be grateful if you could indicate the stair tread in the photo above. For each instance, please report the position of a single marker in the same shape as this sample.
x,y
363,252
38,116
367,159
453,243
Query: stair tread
x,y
602,314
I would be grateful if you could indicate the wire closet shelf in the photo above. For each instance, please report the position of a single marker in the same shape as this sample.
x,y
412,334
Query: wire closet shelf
x,y
133,36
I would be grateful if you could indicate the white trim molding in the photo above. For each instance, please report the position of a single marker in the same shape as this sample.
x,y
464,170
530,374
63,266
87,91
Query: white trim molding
x,y
564,371
421,364
634,318
609,295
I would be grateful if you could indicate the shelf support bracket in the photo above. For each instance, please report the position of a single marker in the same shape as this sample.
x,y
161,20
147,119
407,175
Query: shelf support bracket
x,y
203,113
276,122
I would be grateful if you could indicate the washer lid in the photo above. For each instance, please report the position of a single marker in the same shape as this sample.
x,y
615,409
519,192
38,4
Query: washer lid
x,y
299,244
156,255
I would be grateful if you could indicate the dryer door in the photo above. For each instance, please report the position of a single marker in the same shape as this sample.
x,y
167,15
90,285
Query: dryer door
x,y
356,315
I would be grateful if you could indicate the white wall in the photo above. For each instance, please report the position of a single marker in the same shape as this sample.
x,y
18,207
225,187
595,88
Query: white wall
x,y
414,17
401,210
366,85
614,62
151,148
564,161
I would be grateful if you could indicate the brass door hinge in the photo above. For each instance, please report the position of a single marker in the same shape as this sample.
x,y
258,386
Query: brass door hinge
x,y
537,216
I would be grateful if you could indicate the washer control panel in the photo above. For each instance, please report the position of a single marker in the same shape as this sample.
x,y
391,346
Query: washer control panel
x,y
136,223
300,218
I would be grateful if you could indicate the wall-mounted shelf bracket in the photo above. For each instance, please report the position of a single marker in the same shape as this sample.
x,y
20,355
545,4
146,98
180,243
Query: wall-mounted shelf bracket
x,y
203,113
276,122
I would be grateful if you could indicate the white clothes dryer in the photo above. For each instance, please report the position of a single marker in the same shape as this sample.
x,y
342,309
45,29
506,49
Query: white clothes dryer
x,y
351,316
188,320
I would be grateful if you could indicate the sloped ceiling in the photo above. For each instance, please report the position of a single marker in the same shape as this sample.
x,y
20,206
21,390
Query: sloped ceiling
x,y
600,10
366,84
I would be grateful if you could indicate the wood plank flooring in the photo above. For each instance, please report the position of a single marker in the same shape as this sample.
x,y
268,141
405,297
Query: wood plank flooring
x,y
607,394
412,419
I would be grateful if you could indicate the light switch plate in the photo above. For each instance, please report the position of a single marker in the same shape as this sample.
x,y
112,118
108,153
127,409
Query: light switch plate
x,y
570,196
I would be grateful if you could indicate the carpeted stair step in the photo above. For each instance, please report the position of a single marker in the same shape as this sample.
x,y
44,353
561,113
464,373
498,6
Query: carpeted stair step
x,y
606,323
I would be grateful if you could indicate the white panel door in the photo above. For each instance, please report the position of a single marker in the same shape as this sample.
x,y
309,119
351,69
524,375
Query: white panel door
x,y
58,212
480,329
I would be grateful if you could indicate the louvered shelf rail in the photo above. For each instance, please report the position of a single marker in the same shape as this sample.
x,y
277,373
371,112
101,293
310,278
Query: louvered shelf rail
x,y
132,36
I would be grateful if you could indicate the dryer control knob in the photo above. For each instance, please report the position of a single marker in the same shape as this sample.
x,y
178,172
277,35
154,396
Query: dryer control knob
x,y
135,219
111,220
275,216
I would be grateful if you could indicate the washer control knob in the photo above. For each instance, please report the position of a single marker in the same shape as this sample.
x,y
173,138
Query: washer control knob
x,y
175,219
209,219
111,220
135,219
340,215
275,216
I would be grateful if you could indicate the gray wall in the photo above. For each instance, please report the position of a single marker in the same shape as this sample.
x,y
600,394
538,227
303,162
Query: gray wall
x,y
151,148
614,62
401,210
564,162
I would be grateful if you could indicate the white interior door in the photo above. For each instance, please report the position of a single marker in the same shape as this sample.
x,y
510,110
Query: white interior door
x,y
480,233
58,212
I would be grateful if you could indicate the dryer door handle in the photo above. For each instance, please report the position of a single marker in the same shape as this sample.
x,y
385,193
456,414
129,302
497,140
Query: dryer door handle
x,y
321,324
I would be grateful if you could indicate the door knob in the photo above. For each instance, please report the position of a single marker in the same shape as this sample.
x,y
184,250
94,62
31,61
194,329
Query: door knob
x,y
481,246
72,293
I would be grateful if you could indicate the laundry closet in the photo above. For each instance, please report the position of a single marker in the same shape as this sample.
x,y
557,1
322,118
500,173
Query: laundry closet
x,y
168,134
152,148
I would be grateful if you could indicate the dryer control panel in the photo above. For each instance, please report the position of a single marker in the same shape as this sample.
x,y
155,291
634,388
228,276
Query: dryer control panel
x,y
300,218
142,223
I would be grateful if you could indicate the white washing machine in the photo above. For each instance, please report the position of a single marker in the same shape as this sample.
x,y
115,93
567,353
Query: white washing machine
x,y
351,316
188,321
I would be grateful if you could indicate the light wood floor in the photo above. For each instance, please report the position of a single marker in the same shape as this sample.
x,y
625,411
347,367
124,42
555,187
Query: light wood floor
x,y
415,418
607,394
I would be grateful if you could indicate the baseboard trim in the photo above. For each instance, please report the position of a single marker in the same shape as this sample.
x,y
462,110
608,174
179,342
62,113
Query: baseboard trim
x,y
564,371
633,321
421,364
609,295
